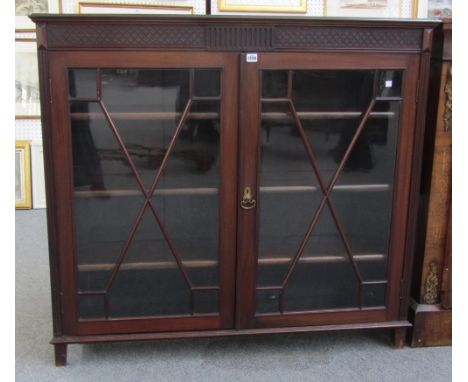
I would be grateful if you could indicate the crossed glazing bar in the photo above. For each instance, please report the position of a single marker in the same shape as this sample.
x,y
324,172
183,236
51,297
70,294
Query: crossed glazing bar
x,y
147,195
326,190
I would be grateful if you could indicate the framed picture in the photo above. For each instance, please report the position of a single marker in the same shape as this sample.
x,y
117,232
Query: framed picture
x,y
37,176
420,9
25,35
289,6
439,8
363,8
27,102
88,7
22,175
23,8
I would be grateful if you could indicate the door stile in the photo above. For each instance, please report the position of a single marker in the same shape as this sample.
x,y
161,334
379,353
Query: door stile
x,y
63,187
228,194
403,178
247,240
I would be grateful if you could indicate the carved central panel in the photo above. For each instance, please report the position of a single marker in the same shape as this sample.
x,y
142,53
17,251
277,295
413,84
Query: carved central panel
x,y
239,37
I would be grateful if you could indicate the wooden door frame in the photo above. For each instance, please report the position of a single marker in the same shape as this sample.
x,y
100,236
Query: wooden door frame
x,y
249,141
60,163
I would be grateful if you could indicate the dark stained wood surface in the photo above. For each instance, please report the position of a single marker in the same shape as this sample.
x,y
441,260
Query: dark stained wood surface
x,y
227,333
62,163
230,33
249,144
432,325
178,42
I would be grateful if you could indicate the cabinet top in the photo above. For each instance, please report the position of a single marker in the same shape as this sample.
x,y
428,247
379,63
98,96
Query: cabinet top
x,y
310,20
231,33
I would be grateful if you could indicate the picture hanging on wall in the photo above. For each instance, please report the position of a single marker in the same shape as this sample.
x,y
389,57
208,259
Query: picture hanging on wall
x,y
288,6
363,8
27,102
439,8
24,8
117,8
22,175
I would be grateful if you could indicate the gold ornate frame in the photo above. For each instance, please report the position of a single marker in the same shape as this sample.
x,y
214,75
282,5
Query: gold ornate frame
x,y
84,4
400,11
224,6
415,8
25,174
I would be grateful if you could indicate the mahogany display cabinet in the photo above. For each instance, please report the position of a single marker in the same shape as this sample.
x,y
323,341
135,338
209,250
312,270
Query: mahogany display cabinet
x,y
217,176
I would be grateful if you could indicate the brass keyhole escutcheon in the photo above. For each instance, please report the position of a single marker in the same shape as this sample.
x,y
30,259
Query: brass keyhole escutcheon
x,y
247,202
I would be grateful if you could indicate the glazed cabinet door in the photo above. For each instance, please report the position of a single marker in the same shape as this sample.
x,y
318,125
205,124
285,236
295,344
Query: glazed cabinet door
x,y
144,157
326,146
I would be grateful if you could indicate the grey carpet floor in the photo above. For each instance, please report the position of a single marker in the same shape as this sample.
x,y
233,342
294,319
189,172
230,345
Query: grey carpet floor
x,y
350,356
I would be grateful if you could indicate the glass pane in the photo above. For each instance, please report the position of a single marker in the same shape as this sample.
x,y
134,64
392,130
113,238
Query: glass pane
x,y
205,301
389,84
91,306
149,274
332,90
374,295
330,106
82,83
274,83
207,82
267,301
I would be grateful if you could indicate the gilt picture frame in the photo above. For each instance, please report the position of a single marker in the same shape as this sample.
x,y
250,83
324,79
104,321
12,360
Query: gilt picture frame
x,y
85,7
37,175
289,6
23,198
363,8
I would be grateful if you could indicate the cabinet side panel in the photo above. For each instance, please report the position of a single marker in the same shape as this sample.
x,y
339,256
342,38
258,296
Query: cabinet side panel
x,y
416,173
49,184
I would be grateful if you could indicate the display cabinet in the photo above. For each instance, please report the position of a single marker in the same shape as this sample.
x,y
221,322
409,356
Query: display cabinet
x,y
217,176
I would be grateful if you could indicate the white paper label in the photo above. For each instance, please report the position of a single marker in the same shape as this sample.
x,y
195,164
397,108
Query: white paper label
x,y
252,57
388,84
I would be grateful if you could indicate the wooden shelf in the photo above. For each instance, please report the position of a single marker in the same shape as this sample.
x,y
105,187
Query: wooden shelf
x,y
135,116
305,115
388,99
347,187
167,191
214,115
214,191
147,265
